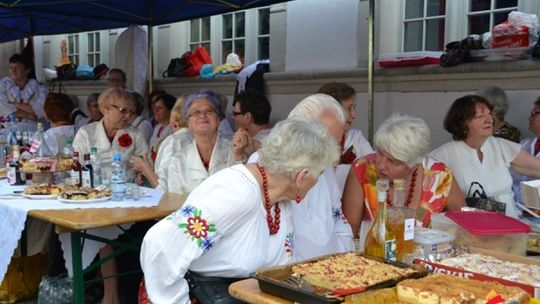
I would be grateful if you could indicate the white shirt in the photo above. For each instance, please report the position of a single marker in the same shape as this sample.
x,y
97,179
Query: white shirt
x,y
360,147
93,135
169,147
144,126
56,138
184,169
493,173
527,144
160,133
33,93
319,224
238,243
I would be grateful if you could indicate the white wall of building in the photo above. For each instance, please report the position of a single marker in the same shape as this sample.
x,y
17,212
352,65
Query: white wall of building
x,y
322,35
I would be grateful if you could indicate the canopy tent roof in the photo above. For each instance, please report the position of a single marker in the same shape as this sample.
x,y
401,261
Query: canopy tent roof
x,y
23,18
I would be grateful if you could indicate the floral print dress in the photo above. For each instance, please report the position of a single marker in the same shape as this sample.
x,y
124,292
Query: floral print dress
x,y
436,185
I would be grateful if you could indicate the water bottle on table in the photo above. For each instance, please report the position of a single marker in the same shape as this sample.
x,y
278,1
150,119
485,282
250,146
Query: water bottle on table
x,y
118,178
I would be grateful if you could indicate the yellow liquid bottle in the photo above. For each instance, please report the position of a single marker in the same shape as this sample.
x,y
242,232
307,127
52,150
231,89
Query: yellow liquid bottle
x,y
401,221
379,241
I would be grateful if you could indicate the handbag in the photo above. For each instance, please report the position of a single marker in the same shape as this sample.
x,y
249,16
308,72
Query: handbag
x,y
479,200
210,290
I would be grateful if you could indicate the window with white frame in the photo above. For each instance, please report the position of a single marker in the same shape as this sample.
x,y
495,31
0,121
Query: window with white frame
x,y
263,33
233,38
73,48
424,25
483,15
200,33
94,48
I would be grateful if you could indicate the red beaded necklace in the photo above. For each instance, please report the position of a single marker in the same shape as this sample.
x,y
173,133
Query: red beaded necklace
x,y
411,191
273,224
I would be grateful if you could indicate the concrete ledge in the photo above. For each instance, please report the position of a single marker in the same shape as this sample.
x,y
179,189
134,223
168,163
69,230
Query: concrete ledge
x,y
510,75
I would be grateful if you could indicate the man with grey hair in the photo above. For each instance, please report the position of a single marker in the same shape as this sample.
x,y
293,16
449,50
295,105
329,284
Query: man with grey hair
x,y
319,225
501,128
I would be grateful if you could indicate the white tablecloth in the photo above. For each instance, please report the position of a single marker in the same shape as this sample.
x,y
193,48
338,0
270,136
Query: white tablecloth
x,y
14,209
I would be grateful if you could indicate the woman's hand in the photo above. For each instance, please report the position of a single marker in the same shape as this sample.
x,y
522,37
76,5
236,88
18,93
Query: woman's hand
x,y
143,166
243,145
140,164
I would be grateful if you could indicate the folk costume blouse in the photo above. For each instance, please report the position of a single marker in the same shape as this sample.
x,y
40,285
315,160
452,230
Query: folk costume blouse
x,y
220,231
493,172
436,185
128,141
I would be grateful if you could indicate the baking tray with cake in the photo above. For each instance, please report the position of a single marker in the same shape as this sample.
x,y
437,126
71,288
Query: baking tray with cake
x,y
328,279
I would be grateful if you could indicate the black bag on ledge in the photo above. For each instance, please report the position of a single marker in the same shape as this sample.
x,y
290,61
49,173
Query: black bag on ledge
x,y
457,52
479,200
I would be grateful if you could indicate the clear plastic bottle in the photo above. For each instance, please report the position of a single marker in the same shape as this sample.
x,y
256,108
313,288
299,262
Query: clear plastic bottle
x,y
118,178
12,136
96,165
39,146
68,148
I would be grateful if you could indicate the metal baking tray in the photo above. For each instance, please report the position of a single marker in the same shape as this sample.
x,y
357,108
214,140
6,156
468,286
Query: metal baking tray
x,y
271,281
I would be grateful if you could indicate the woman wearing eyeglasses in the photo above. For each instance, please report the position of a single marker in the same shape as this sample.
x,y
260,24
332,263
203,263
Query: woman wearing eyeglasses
x,y
529,144
203,151
112,133
475,155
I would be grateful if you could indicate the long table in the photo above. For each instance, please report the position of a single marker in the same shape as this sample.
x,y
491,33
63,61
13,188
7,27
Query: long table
x,y
77,221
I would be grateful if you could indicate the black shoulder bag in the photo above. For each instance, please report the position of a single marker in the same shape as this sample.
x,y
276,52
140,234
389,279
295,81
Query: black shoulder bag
x,y
479,200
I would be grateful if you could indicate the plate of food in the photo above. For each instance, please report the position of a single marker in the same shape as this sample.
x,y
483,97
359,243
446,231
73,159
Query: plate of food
x,y
42,191
85,195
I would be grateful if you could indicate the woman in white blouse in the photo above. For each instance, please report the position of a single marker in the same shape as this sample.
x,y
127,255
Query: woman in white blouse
x,y
161,107
112,133
476,156
204,151
237,220
353,143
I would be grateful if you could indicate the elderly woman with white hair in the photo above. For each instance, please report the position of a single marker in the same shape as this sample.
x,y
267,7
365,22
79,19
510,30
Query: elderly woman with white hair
x,y
236,221
201,152
501,128
402,143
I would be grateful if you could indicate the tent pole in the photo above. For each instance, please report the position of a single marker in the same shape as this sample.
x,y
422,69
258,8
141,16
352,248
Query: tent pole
x,y
150,59
371,38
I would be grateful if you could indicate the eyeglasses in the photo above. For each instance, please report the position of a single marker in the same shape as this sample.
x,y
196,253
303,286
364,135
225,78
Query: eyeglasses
x,y
534,112
238,113
123,110
199,113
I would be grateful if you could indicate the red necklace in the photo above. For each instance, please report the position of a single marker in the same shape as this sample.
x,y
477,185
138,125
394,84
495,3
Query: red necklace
x,y
273,224
411,191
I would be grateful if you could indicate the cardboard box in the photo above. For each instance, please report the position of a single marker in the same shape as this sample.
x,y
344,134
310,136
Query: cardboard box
x,y
534,291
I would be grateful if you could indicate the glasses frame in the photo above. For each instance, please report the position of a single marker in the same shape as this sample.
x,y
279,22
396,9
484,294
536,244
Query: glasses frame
x,y
234,113
123,110
201,113
533,113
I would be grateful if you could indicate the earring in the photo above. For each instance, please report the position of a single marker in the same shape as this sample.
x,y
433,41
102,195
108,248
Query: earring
x,y
298,199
